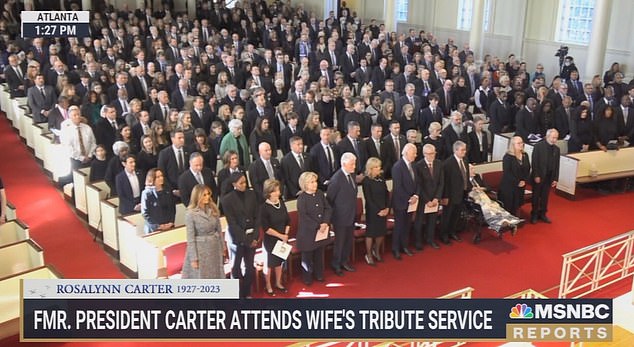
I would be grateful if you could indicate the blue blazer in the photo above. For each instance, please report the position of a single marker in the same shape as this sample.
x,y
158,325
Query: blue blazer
x,y
124,190
403,185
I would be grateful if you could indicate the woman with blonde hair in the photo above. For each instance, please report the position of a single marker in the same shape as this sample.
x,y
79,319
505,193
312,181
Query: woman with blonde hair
x,y
206,246
376,210
312,129
515,173
221,86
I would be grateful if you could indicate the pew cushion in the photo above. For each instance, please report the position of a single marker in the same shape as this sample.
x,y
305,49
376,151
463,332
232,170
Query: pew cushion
x,y
174,257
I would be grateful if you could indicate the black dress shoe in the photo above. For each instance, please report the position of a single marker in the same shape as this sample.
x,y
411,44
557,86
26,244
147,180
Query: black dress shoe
x,y
545,219
534,220
446,241
338,272
349,268
397,255
308,283
455,237
434,245
319,279
377,256
476,239
419,248
407,251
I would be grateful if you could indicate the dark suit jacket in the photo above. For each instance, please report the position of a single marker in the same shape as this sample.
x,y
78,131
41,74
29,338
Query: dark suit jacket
x,y
499,117
14,81
342,197
526,123
442,102
450,136
562,121
427,117
404,100
476,156
453,180
369,150
124,191
55,119
105,133
258,174
285,137
545,160
177,100
156,112
378,79
169,165
291,171
37,103
403,186
187,182
391,157
320,164
138,88
430,187
241,215
345,145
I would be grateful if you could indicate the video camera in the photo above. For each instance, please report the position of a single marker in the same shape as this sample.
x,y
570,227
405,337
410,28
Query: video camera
x,y
562,52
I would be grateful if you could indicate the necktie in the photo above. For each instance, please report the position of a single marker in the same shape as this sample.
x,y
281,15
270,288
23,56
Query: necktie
x,y
114,125
165,111
329,155
397,147
411,100
411,172
17,71
199,178
377,144
82,146
463,170
269,169
355,146
327,79
181,160
625,111
447,102
332,57
431,169
426,87
299,96
351,181
124,107
42,92
301,161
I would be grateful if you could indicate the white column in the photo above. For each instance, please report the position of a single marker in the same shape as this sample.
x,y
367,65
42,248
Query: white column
x,y
141,4
598,39
86,5
191,9
390,15
330,5
476,36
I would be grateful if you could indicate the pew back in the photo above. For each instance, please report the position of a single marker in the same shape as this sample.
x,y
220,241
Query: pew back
x,y
20,256
12,232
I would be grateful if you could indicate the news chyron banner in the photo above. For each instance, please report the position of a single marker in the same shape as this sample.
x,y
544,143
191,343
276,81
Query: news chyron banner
x,y
170,310
55,24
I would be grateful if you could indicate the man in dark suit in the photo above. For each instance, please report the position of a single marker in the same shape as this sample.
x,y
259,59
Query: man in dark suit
x,y
41,99
430,176
240,206
393,143
453,132
379,75
363,73
456,185
264,168
373,146
389,93
349,63
404,197
141,83
342,196
499,115
14,76
544,174
478,144
121,83
197,174
58,114
326,71
430,114
174,160
625,118
161,110
351,144
409,98
292,129
526,121
107,128
200,118
324,158
446,100
294,164
564,116
129,185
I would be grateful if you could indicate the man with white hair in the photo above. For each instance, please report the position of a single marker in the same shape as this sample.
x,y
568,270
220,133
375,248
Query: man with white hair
x,y
342,196
404,199
454,132
264,168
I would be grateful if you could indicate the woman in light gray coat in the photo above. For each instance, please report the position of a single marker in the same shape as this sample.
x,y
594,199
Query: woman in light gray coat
x,y
206,246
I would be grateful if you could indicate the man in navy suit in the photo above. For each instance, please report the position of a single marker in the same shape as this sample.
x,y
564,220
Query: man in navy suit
x,y
404,194
174,160
129,186
342,196
431,179
197,174
264,168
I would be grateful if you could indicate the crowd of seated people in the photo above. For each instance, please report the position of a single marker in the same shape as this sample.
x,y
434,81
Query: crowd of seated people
x,y
172,96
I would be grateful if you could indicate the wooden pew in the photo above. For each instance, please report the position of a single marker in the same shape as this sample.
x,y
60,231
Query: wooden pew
x,y
11,211
95,192
149,248
20,256
80,180
593,166
10,287
109,216
56,159
6,103
26,119
40,140
13,231
129,230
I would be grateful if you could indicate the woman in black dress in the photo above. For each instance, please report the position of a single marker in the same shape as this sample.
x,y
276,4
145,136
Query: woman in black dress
x,y
606,128
276,224
99,164
581,132
376,210
516,169
262,133
210,158
148,155
313,213
435,138
158,207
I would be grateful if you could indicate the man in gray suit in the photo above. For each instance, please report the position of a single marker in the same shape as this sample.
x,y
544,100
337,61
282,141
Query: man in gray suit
x,y
41,99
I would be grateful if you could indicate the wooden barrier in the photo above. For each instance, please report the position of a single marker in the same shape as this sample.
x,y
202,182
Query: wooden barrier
x,y
5,102
130,229
13,231
20,256
594,166
26,120
109,216
95,192
80,180
10,297
11,211
149,248
40,140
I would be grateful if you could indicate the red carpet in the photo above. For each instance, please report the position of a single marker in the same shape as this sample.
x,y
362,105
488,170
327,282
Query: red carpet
x,y
495,267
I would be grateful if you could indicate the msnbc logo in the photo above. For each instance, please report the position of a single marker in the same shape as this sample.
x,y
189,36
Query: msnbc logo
x,y
521,311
